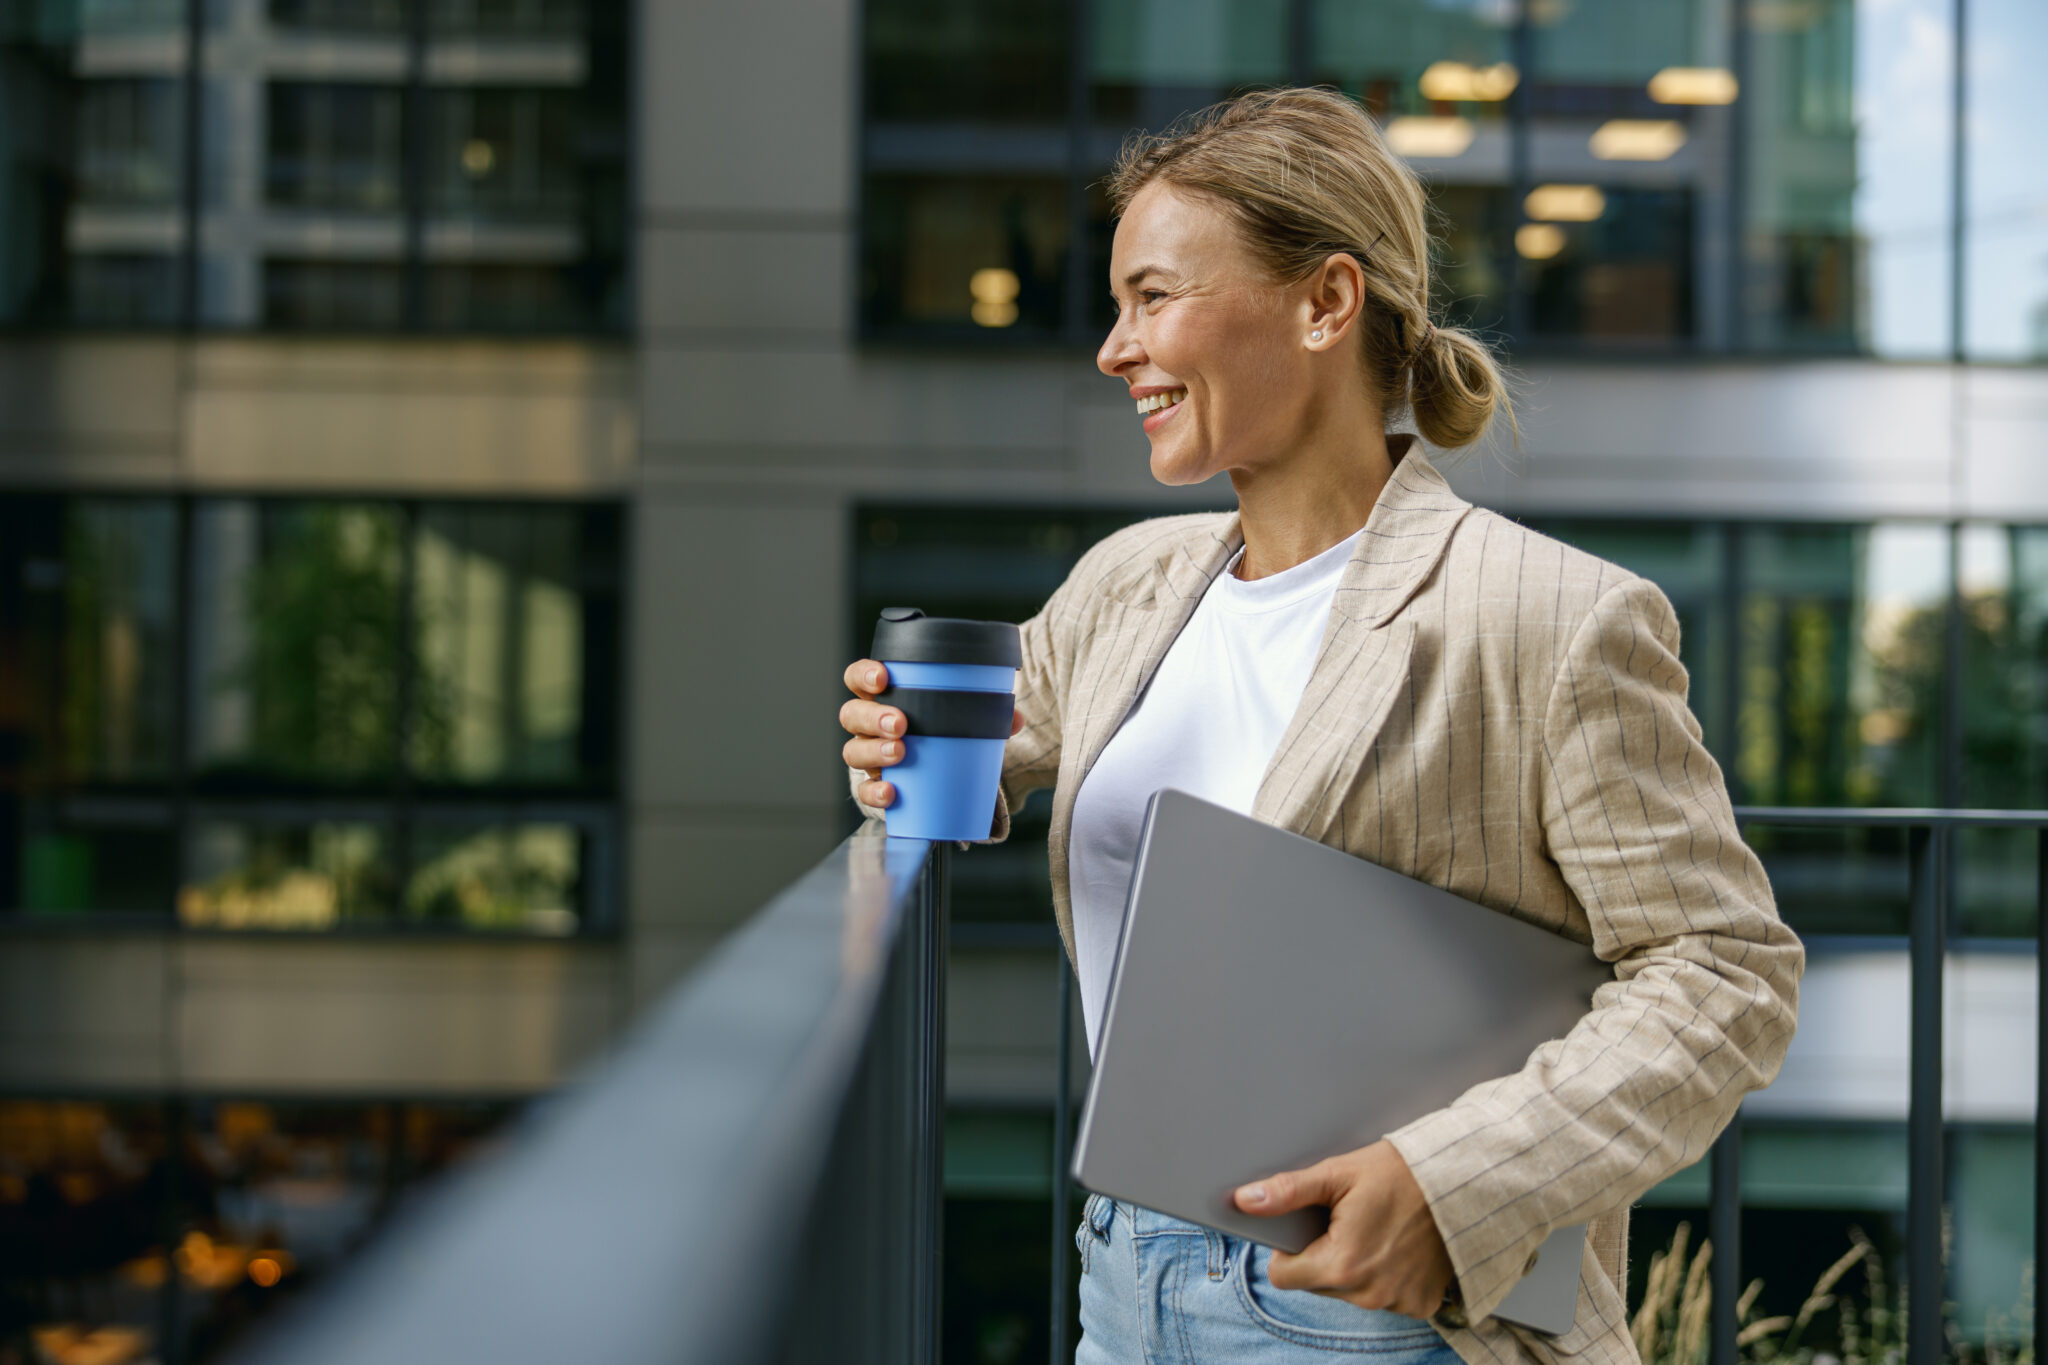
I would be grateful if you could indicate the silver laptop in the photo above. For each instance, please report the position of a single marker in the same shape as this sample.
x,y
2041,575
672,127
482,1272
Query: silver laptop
x,y
1276,1001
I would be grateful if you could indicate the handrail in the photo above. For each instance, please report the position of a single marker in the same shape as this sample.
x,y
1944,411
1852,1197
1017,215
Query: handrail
x,y
769,1137
1930,860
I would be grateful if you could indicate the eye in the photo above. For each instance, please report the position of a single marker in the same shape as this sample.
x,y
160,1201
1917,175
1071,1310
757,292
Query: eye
x,y
1150,294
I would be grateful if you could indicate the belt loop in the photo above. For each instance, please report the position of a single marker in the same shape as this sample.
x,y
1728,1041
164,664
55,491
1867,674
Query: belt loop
x,y
1101,1210
1219,1253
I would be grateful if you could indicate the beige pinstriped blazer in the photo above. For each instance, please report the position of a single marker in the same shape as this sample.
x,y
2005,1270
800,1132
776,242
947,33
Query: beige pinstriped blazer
x,y
1506,717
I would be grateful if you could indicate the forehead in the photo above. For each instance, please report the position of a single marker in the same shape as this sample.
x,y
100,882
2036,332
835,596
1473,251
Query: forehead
x,y
1172,230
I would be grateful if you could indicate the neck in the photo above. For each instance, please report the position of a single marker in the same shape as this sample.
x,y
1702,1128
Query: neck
x,y
1292,510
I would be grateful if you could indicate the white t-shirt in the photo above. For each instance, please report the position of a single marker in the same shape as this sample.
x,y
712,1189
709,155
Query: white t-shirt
x,y
1207,723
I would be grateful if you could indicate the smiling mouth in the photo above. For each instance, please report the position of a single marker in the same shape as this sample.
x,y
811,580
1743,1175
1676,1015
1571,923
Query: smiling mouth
x,y
1159,409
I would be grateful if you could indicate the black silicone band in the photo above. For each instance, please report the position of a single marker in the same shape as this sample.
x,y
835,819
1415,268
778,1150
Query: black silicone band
x,y
958,714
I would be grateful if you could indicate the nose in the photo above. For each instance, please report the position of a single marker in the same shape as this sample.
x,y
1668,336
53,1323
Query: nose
x,y
1120,349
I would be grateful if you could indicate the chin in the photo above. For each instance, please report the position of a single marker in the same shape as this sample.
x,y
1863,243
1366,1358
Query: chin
x,y
1174,475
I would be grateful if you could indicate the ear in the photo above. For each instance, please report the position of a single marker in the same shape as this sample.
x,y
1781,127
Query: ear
x,y
1334,299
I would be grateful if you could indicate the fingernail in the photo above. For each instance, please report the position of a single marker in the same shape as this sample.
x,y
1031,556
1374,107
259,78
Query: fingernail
x,y
1252,1194
874,677
892,751
888,725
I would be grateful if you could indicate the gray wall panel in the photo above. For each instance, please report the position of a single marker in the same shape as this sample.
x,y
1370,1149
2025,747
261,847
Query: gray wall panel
x,y
366,1016
411,416
765,278
861,403
738,610
84,1012
747,108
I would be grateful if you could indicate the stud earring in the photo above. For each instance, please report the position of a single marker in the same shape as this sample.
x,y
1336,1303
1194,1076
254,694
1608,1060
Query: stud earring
x,y
1315,335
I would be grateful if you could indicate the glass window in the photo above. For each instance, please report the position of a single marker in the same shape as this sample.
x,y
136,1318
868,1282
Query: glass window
x,y
318,634
501,646
1990,1268
263,874
334,146
458,169
1154,60
964,254
1628,149
339,16
527,876
1849,125
296,639
92,164
998,1200
278,1196
94,857
82,1260
509,18
2004,760
974,61
1841,638
2005,220
268,1199
88,639
338,295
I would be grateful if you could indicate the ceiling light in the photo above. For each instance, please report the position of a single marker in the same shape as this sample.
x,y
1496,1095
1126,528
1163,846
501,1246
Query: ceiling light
x,y
1636,139
1539,241
995,296
1693,85
1459,81
1421,136
1565,203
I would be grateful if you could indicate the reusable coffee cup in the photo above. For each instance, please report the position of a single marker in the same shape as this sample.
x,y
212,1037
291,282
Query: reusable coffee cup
x,y
955,683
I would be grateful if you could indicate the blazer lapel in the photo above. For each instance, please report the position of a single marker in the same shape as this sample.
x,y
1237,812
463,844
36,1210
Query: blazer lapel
x,y
1130,638
1362,670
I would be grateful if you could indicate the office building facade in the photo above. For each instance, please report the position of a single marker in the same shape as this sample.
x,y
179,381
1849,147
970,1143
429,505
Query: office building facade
x,y
450,449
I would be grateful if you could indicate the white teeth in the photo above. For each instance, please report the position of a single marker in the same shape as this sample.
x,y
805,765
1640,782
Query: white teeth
x,y
1161,400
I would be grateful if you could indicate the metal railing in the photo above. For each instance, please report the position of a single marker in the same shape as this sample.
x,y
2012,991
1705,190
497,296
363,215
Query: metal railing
x,y
753,1175
756,1173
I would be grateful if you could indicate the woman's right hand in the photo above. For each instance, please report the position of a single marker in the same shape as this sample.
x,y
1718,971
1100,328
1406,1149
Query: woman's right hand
x,y
877,731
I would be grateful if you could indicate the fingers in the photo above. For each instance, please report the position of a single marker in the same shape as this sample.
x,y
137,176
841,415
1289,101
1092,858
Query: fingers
x,y
1291,1190
870,719
865,677
1016,721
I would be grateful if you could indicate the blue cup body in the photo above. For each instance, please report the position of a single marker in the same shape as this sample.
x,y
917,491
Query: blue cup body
x,y
946,786
960,677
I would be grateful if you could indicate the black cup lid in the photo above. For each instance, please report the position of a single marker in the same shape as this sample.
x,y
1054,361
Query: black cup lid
x,y
906,633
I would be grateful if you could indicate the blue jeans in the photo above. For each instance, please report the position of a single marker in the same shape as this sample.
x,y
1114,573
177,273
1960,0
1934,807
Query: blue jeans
x,y
1158,1291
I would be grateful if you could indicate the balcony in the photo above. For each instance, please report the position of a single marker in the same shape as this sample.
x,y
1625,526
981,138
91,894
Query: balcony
x,y
755,1173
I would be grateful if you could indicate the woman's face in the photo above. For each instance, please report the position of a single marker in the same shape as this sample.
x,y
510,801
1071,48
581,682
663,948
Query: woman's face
x,y
1202,330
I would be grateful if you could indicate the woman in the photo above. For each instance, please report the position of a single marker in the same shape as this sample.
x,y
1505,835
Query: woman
x,y
1360,656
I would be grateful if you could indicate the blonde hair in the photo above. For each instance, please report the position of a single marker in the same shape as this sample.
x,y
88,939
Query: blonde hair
x,y
1305,173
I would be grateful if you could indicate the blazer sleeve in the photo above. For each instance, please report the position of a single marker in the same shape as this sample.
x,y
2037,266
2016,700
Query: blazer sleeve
x,y
1636,815
1031,759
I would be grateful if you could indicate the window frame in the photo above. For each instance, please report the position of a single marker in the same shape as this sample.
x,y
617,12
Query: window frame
x,y
400,801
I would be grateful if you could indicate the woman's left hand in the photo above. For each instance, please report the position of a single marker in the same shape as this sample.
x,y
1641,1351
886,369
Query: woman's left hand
x,y
1382,1248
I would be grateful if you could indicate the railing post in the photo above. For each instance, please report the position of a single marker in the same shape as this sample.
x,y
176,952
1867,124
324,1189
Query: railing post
x,y
929,1107
2040,1087
1062,1158
1927,847
1724,1229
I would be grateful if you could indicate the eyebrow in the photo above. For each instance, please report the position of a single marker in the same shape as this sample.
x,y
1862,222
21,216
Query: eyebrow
x,y
1131,280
